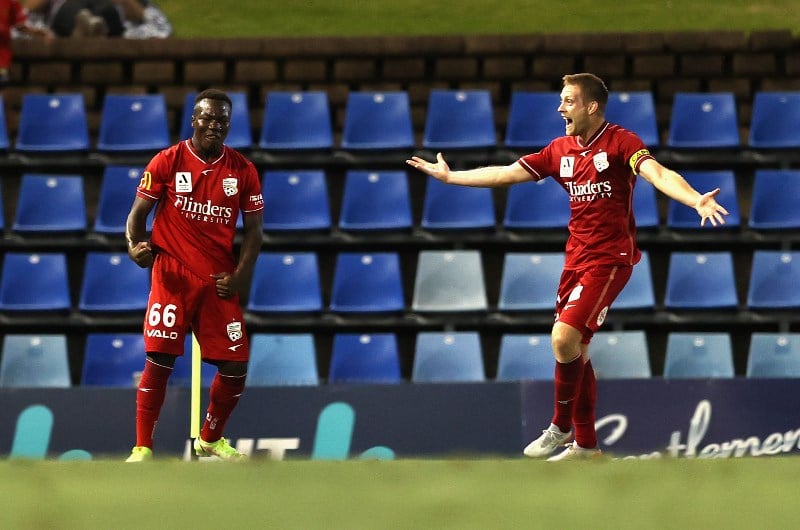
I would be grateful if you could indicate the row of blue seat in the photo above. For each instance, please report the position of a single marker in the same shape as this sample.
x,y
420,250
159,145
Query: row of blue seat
x,y
380,200
116,360
455,119
445,281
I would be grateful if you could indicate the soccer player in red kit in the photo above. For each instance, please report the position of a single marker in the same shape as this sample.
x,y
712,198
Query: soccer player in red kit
x,y
596,163
198,187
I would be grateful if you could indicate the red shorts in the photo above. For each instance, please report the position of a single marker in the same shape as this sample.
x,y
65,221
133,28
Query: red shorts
x,y
585,296
181,301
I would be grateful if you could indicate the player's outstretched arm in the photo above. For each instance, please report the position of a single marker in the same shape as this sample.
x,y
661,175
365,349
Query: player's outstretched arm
x,y
482,177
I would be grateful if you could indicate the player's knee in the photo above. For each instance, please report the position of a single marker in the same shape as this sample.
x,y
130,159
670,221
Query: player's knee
x,y
232,368
162,359
566,345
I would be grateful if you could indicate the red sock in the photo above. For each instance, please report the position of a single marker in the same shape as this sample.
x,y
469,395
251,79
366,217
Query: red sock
x,y
584,417
567,383
149,398
224,395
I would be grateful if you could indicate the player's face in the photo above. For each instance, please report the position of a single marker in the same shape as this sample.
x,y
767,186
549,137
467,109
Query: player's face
x,y
574,111
211,121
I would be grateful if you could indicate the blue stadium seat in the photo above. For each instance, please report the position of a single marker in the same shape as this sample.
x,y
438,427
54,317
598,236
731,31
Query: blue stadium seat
x,y
530,281
448,357
533,120
698,355
703,121
449,281
537,205
774,355
449,207
35,361
365,358
375,200
133,123
636,112
52,123
773,202
113,359
524,356
645,205
774,277
377,120
296,120
5,143
620,355
117,192
683,217
112,282
638,292
50,203
459,119
773,123
182,371
240,134
282,360
367,283
2,212
284,282
701,280
34,282
296,200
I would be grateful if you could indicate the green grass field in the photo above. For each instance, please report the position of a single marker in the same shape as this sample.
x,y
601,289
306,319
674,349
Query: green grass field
x,y
404,494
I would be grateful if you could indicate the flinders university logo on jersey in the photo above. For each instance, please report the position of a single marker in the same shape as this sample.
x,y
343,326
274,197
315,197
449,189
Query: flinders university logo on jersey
x,y
230,186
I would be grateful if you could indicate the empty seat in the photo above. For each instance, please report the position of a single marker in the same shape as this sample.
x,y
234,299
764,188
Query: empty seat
x,y
645,205
449,281
52,123
113,359
448,207
4,141
282,360
133,123
684,217
459,119
295,200
774,277
365,358
537,205
285,282
50,203
34,282
296,120
377,120
530,281
638,292
703,121
240,134
2,213
636,112
524,356
620,355
113,282
773,202
701,280
698,355
367,282
774,355
375,200
117,192
448,357
773,123
533,120
34,361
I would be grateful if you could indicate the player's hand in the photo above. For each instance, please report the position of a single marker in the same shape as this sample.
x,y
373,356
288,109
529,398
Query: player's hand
x,y
225,283
439,170
141,254
708,209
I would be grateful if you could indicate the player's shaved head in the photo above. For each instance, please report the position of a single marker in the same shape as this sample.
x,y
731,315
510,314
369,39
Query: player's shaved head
x,y
214,95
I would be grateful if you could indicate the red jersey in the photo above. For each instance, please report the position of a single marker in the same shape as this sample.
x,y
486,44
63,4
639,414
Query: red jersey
x,y
198,205
11,14
599,178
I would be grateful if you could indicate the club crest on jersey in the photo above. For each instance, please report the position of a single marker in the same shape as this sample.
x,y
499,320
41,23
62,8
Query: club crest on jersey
x,y
567,167
234,331
600,161
230,186
183,182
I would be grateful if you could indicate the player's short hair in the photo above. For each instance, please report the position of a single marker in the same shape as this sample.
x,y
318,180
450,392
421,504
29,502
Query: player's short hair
x,y
592,87
213,93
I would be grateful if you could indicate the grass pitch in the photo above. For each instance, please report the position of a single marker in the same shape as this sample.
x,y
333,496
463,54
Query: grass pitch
x,y
403,494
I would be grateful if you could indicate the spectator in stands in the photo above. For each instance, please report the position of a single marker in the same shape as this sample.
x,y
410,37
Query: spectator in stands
x,y
198,187
14,17
143,20
596,163
132,19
